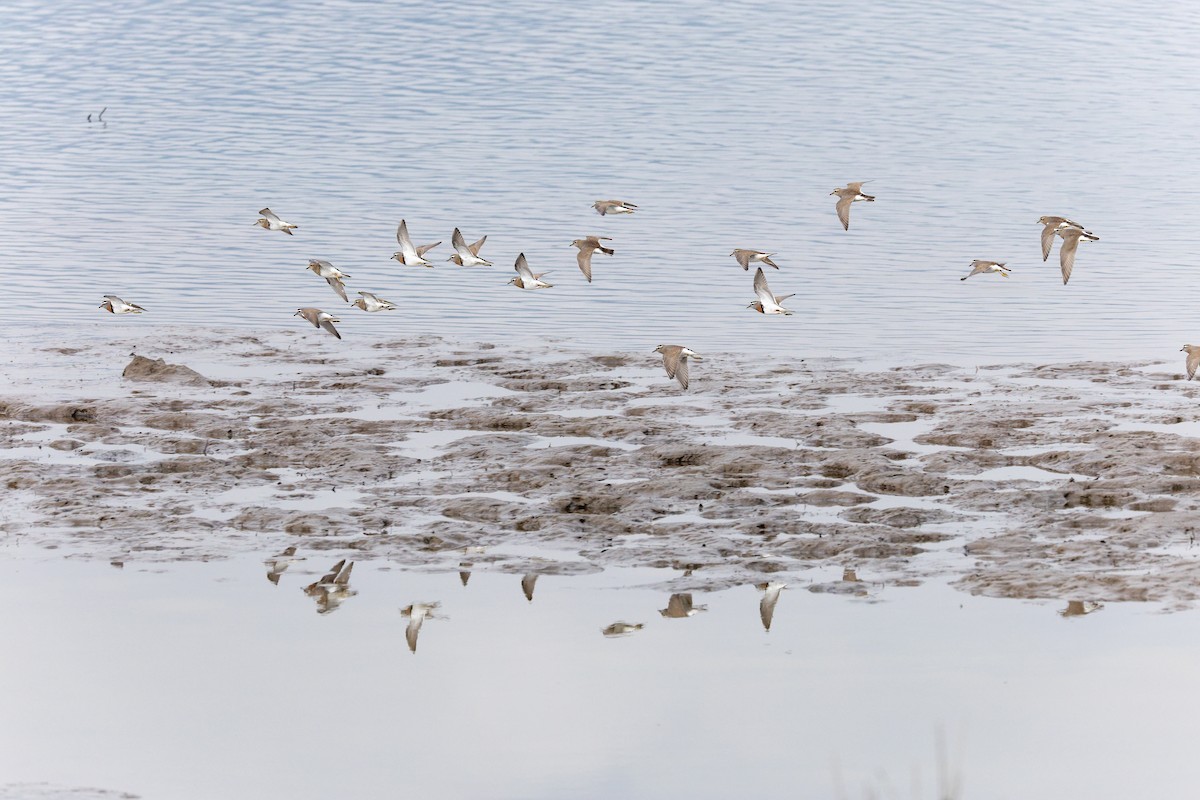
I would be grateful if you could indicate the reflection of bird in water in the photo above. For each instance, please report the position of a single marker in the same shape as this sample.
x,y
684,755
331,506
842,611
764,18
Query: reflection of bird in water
x,y
277,565
464,575
1078,608
622,628
766,606
849,575
680,606
332,588
416,614
527,584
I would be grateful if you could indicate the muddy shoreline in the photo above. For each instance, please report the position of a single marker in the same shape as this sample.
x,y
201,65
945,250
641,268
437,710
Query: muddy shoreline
x,y
1074,481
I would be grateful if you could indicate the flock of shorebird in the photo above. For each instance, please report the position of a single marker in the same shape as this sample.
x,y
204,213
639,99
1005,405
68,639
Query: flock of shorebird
x,y
333,588
675,357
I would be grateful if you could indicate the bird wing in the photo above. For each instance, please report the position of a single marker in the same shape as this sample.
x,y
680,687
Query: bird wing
x,y
681,371
843,210
425,248
458,242
369,296
412,631
762,290
343,577
269,215
766,608
327,325
855,186
767,260
1066,256
585,262
112,298
743,258
522,268
406,245
1048,240
338,286
780,298
475,247
1193,361
671,360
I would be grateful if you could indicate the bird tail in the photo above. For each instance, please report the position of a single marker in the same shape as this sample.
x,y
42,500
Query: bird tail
x,y
608,251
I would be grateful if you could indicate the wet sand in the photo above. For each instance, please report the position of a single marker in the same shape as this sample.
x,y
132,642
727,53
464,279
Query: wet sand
x,y
1075,481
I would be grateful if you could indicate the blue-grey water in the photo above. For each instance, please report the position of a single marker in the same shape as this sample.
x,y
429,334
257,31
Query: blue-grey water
x,y
727,123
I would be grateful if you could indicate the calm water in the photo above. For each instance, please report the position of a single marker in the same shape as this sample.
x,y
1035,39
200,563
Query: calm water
x,y
206,681
728,124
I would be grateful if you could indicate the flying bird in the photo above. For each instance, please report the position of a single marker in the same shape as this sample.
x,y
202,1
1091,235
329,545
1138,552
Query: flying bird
x,y
606,207
979,267
417,613
1193,359
766,606
332,275
744,257
525,278
1066,254
675,361
271,221
277,565
587,246
369,302
850,194
408,255
767,303
622,628
1051,226
679,606
332,588
115,305
465,254
319,319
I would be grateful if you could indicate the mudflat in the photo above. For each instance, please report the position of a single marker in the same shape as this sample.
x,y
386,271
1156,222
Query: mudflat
x,y
1075,481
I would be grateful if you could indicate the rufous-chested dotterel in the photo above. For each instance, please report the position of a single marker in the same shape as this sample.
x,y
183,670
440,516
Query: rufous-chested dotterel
x,y
467,255
587,246
767,303
1071,237
319,319
332,275
408,254
115,305
745,257
851,193
980,267
1050,228
606,207
1193,358
526,279
271,221
675,361
371,302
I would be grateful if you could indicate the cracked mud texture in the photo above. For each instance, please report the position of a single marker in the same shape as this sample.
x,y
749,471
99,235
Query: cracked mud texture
x,y
1077,481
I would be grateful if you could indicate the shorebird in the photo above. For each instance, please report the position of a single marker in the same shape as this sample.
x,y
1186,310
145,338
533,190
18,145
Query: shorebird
x,y
116,305
979,267
605,207
1066,254
680,606
277,565
622,628
1079,608
767,303
271,221
408,255
744,257
332,275
1193,359
1051,226
587,246
417,613
851,193
766,606
332,588
465,254
319,319
525,278
528,582
675,361
370,302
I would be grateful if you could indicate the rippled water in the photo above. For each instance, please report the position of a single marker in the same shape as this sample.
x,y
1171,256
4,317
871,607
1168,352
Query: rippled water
x,y
727,123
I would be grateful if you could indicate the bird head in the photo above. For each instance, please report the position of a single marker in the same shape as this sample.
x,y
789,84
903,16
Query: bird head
x,y
657,349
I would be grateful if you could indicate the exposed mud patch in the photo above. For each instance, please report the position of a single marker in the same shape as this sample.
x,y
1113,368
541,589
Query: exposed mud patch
x,y
1079,480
